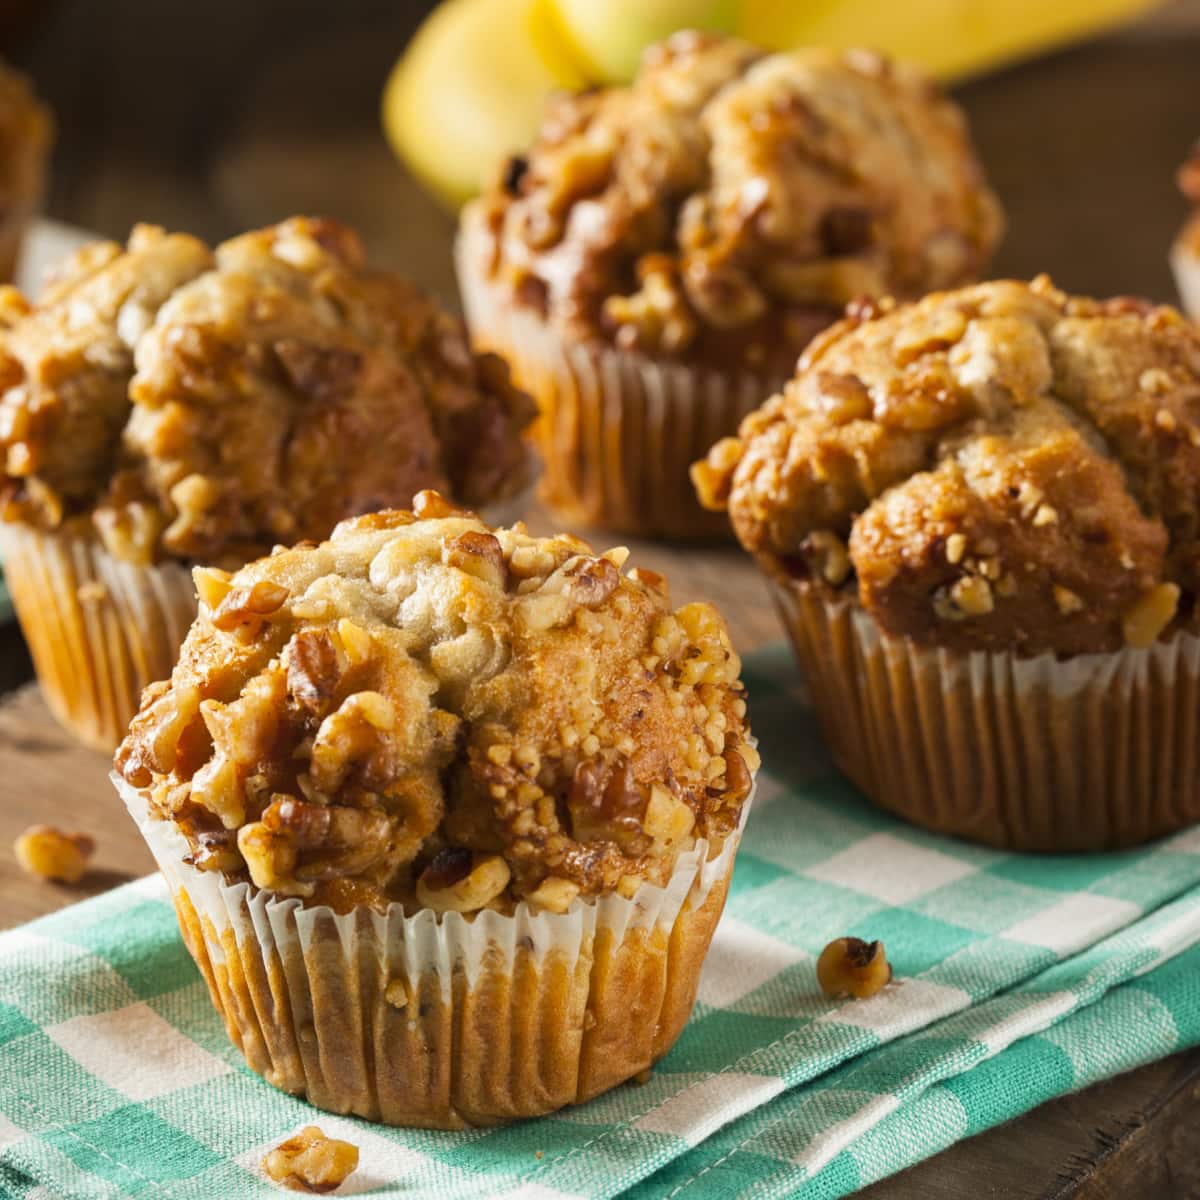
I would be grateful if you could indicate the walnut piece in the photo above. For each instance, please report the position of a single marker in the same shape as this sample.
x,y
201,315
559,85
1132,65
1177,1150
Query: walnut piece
x,y
204,404
1014,470
49,853
728,203
429,711
311,1162
848,966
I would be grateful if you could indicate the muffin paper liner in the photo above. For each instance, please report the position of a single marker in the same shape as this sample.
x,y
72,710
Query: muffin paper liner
x,y
1185,262
1093,752
99,629
501,1016
617,431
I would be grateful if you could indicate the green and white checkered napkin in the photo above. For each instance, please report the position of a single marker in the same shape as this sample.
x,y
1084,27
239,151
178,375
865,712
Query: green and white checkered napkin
x,y
1020,978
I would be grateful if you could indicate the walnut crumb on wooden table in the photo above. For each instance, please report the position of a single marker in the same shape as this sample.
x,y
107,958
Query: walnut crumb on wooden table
x,y
49,853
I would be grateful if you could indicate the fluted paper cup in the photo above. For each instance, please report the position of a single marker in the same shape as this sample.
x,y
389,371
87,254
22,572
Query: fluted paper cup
x,y
99,629
617,431
446,1021
1093,752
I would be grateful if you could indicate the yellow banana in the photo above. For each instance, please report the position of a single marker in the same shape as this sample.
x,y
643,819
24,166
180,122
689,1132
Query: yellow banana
x,y
950,38
470,89
472,84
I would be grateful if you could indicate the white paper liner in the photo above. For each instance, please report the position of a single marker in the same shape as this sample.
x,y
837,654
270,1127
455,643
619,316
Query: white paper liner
x,y
1087,753
618,432
1185,263
99,629
541,1009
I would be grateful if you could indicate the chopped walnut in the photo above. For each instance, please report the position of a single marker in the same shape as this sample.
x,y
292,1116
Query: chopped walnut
x,y
483,882
428,711
849,966
554,894
203,404
1068,601
245,608
49,853
829,555
970,596
1013,469
311,1162
728,203
1146,619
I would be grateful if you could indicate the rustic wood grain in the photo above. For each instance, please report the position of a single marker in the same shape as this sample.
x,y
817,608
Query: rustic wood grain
x,y
48,777
1129,1138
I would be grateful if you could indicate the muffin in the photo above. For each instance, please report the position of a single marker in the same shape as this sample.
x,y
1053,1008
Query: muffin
x,y
1185,254
448,813
166,404
980,518
655,263
26,133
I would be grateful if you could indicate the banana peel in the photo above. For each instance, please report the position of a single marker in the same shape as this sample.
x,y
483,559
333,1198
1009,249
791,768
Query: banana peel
x,y
471,87
952,39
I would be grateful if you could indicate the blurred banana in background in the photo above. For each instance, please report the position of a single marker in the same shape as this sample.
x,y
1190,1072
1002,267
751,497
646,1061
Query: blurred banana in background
x,y
470,88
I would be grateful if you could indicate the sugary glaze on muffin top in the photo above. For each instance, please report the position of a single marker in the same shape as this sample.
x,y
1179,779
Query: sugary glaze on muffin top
x,y
205,405
427,710
1004,467
729,203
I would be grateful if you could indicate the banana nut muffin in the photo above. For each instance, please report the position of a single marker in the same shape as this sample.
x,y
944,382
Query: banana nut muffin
x,y
26,132
205,405
1003,467
729,203
426,710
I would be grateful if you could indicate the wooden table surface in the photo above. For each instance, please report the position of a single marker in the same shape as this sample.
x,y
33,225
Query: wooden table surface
x,y
1081,147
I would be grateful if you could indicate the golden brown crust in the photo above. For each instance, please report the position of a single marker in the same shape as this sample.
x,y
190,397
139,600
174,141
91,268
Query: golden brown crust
x,y
67,364
1002,467
428,710
727,205
203,406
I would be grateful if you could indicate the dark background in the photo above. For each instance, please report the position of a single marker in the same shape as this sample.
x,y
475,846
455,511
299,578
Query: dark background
x,y
217,116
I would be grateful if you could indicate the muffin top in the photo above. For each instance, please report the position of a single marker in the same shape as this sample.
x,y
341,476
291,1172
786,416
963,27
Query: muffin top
x,y
205,405
26,130
729,203
426,710
1004,467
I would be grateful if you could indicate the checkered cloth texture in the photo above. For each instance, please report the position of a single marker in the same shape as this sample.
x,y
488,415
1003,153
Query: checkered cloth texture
x,y
1018,978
